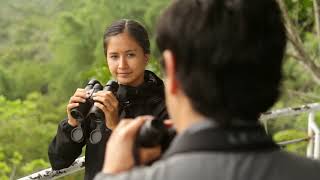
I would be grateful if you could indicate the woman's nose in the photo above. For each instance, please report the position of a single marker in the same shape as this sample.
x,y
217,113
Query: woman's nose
x,y
123,62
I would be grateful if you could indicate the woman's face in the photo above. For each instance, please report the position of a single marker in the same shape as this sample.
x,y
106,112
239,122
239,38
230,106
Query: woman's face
x,y
126,59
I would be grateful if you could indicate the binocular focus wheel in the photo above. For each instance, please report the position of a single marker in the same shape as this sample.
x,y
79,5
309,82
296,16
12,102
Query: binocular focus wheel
x,y
77,134
95,136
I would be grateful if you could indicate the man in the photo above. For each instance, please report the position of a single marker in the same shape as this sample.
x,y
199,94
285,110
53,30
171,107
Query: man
x,y
223,68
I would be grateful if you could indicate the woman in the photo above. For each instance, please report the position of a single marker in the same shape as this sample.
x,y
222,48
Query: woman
x,y
140,92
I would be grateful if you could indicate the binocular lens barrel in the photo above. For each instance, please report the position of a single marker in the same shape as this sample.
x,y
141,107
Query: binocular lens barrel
x,y
75,113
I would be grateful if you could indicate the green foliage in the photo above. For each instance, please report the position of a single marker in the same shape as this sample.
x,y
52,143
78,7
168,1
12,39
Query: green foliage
x,y
21,123
48,48
298,148
34,165
4,167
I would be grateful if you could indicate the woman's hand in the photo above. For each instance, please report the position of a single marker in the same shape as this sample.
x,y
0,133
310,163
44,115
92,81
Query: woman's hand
x,y
79,96
108,103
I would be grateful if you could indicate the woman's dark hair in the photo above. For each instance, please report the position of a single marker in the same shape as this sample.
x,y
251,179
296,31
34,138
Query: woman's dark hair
x,y
135,30
228,54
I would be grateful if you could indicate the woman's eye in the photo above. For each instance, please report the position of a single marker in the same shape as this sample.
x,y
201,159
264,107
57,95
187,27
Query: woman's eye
x,y
113,57
131,55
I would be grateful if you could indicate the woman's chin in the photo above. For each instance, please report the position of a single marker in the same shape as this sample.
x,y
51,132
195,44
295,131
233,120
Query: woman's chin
x,y
129,82
124,81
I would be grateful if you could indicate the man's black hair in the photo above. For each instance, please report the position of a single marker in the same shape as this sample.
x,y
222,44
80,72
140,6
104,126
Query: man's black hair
x,y
228,54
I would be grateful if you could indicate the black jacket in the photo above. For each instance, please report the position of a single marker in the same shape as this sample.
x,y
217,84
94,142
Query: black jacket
x,y
147,99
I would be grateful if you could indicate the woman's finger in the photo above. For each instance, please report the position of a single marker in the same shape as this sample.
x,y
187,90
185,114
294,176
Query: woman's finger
x,y
72,105
101,106
76,99
81,94
108,98
105,102
113,100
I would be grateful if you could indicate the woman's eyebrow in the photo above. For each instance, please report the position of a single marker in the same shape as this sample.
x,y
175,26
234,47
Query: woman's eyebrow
x,y
112,53
130,50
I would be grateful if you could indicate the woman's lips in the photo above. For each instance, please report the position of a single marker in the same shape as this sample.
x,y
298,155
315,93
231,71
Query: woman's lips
x,y
123,74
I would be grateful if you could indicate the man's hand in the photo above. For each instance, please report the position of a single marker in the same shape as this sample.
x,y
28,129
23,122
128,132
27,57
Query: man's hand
x,y
119,150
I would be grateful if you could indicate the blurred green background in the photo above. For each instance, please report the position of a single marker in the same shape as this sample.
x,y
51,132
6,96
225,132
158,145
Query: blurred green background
x,y
48,48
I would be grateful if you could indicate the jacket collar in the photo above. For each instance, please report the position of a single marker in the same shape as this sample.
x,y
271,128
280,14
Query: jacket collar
x,y
210,137
151,86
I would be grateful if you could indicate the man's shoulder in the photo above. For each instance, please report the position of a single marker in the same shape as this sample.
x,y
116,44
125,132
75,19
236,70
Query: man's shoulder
x,y
298,161
268,165
214,165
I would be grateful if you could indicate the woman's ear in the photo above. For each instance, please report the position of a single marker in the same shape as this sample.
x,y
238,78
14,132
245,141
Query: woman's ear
x,y
147,57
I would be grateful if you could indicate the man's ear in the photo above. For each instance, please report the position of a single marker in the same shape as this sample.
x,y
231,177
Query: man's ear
x,y
170,69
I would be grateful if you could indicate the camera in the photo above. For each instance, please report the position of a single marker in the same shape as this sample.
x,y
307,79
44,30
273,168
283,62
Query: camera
x,y
153,133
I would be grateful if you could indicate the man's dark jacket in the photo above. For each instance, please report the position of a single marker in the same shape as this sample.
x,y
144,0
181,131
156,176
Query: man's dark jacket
x,y
147,99
209,152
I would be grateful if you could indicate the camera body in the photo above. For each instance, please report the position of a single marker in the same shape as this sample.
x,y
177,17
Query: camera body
x,y
151,133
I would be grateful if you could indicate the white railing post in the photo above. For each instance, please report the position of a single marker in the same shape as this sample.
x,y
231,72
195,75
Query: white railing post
x,y
317,145
313,150
310,134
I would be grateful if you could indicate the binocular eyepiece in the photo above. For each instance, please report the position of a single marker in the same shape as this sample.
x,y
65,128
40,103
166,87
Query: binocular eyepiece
x,y
87,110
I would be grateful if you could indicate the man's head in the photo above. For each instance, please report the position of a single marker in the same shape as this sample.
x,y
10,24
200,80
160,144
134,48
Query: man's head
x,y
226,55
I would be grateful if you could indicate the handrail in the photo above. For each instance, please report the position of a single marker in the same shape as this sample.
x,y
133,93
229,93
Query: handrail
x,y
313,149
290,111
293,141
47,174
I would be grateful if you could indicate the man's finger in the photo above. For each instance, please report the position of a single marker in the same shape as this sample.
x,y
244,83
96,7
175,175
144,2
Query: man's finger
x,y
149,154
134,126
168,123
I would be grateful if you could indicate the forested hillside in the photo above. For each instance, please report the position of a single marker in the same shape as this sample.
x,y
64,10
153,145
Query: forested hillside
x,y
48,48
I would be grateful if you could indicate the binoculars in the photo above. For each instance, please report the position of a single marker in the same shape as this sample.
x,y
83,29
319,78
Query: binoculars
x,y
87,111
152,133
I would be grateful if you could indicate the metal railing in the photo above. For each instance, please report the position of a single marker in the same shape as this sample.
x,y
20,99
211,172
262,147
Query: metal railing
x,y
313,149
76,166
